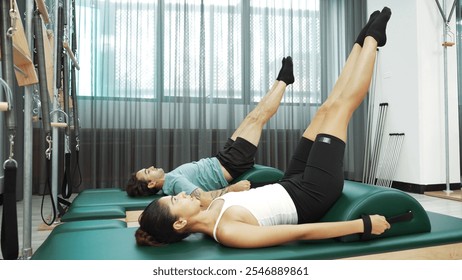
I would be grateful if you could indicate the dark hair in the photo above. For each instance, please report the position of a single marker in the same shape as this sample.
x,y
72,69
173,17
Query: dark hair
x,y
137,187
156,226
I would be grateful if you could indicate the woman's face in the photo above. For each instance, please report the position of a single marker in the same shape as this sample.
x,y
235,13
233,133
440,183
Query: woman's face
x,y
181,205
150,174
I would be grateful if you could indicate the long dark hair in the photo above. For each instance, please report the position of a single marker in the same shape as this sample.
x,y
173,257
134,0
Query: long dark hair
x,y
137,187
156,226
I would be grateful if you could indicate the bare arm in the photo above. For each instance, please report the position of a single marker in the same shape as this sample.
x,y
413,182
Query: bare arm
x,y
242,235
207,197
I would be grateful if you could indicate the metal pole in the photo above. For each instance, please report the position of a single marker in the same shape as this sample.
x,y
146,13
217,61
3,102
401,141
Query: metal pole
x,y
28,140
446,99
9,234
2,143
55,133
446,110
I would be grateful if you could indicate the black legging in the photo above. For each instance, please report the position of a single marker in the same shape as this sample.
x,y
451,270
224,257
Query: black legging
x,y
314,178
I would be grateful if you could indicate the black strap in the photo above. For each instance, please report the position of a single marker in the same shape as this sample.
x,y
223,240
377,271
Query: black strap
x,y
53,206
9,234
367,234
77,171
405,217
63,205
66,189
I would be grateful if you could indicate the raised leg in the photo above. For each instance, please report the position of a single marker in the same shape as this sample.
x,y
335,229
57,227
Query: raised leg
x,y
313,128
353,82
339,114
251,127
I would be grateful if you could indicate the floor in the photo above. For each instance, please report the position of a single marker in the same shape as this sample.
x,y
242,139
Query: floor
x,y
430,203
454,195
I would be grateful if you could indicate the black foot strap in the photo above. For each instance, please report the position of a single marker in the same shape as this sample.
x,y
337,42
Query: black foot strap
x,y
405,217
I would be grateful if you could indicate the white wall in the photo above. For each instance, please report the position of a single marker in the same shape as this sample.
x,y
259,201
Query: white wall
x,y
410,78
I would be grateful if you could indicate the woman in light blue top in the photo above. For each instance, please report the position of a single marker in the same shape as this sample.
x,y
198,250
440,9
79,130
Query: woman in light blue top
x,y
209,177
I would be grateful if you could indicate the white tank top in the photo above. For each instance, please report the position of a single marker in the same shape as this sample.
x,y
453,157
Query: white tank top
x,y
270,205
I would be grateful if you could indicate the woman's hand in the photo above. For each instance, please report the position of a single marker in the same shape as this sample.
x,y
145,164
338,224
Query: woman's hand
x,y
379,224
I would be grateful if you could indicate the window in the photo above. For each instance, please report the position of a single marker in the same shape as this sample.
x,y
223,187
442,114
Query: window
x,y
172,49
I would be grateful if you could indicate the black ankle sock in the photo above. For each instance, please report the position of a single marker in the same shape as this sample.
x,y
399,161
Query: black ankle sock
x,y
287,72
378,27
362,34
280,71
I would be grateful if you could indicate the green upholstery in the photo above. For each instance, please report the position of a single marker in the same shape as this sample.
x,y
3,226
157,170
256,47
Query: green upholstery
x,y
104,190
113,203
93,213
109,198
88,225
119,244
104,204
261,174
358,199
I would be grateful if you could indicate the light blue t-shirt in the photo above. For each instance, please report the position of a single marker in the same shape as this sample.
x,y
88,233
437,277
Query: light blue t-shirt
x,y
205,174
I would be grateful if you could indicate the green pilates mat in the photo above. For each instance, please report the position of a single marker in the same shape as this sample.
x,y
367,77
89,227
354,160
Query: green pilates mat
x,y
119,244
112,240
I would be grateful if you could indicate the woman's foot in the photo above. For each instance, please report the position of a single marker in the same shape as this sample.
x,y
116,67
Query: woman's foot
x,y
282,67
378,27
287,72
362,34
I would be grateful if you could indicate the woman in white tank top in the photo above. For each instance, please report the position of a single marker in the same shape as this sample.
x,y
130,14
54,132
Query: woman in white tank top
x,y
268,215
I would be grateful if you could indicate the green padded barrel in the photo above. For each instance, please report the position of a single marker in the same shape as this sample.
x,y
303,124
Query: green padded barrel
x,y
358,199
261,174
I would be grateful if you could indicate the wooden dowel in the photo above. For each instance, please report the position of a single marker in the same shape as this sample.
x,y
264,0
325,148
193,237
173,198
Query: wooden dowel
x,y
71,55
448,44
59,124
3,106
43,10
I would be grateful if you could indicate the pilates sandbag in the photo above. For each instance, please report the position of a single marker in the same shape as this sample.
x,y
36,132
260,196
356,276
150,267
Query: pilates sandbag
x,y
261,174
358,199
